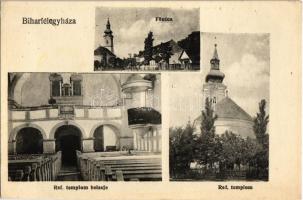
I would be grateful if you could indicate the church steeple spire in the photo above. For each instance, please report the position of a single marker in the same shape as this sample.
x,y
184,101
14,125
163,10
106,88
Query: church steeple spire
x,y
214,88
107,30
215,61
215,75
108,24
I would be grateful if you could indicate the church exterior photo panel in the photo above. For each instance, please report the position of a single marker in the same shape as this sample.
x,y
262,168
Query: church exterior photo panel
x,y
147,39
219,122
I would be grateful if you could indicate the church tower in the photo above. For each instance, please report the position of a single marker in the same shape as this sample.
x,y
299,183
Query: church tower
x,y
108,38
213,88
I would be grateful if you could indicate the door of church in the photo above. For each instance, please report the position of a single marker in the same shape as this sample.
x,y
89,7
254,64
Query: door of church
x,y
69,145
68,140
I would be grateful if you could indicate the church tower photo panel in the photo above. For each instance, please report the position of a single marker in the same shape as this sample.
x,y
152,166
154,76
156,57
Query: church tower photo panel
x,y
84,127
219,119
147,39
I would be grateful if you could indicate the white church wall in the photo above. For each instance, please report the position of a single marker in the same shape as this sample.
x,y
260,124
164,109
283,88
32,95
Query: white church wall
x,y
240,127
29,86
100,90
37,114
113,112
53,113
79,112
95,113
18,115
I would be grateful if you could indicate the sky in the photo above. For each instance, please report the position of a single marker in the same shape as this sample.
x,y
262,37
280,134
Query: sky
x,y
245,61
130,26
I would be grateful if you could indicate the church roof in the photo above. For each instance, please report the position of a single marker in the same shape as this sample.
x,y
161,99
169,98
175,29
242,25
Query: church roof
x,y
102,50
191,45
227,108
171,43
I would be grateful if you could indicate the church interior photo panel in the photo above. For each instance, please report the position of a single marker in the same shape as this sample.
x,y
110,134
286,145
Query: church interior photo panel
x,y
84,127
147,39
219,119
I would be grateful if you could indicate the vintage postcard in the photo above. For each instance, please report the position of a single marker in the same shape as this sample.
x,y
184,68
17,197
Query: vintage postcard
x,y
150,100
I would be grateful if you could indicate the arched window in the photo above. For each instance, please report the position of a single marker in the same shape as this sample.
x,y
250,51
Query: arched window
x,y
77,88
56,82
76,83
105,138
214,100
99,139
56,88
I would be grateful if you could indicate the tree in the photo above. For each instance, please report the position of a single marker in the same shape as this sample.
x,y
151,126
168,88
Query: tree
x,y
181,151
260,129
163,52
233,149
208,120
251,148
97,65
148,48
207,152
260,124
112,62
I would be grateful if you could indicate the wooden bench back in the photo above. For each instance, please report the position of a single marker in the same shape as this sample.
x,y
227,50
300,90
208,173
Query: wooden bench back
x,y
126,169
34,167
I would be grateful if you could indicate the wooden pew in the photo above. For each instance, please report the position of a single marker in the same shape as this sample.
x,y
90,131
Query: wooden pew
x,y
120,168
119,175
141,171
14,167
34,167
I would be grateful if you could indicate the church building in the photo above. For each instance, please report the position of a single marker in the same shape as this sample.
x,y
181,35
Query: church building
x,y
86,112
230,116
104,54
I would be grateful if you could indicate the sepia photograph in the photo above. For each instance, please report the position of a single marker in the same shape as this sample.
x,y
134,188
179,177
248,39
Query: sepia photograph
x,y
219,118
182,100
140,39
84,127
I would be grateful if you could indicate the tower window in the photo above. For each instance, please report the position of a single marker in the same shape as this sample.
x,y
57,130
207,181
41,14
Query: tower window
x,y
214,100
